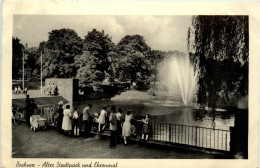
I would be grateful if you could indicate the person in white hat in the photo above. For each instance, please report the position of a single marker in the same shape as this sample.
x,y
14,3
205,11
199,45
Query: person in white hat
x,y
102,119
60,118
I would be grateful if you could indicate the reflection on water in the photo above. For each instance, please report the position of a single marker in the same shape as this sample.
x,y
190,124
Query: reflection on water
x,y
167,112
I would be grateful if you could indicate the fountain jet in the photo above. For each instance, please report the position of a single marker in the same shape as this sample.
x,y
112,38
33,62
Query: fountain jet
x,y
176,73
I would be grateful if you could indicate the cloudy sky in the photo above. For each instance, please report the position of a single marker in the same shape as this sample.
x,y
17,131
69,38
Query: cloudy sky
x,y
161,32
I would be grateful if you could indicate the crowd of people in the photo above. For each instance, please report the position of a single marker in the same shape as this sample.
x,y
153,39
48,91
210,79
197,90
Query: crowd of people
x,y
18,90
70,122
51,89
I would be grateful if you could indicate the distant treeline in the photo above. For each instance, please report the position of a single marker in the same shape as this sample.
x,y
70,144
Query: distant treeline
x,y
91,60
217,45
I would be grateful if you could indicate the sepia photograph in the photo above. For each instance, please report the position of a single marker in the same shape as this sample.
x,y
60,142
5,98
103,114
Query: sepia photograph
x,y
130,86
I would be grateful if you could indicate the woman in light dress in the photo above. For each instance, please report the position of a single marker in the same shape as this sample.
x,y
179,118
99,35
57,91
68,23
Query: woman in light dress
x,y
126,132
52,89
66,122
15,90
102,119
19,90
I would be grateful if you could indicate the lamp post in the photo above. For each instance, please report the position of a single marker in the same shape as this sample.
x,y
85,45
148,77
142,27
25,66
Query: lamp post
x,y
23,69
41,72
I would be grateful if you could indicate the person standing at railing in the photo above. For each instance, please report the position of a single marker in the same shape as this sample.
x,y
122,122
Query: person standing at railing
x,y
49,89
145,130
19,90
113,127
102,119
119,123
15,90
66,122
52,89
29,110
52,114
87,120
75,123
127,127
56,90
60,117
25,90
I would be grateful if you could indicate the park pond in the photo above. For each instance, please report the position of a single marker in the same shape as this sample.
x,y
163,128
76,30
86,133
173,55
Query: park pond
x,y
162,110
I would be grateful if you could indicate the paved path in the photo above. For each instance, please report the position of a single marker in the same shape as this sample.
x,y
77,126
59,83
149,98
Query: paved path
x,y
49,144
32,93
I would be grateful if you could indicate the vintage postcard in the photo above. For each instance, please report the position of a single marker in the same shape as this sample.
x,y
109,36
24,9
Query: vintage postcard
x,y
130,84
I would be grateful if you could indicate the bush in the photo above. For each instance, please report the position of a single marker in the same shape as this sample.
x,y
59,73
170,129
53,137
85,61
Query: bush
x,y
141,85
151,91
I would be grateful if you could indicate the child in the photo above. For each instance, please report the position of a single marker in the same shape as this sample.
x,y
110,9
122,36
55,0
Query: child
x,y
95,122
145,131
75,127
52,114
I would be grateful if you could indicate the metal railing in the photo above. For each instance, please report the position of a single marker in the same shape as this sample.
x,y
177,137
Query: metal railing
x,y
190,135
174,133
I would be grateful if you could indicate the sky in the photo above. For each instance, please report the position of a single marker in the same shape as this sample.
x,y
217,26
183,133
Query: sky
x,y
160,32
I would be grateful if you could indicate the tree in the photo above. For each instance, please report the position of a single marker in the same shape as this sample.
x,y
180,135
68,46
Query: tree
x,y
134,54
32,64
88,73
94,62
156,57
59,52
220,45
17,60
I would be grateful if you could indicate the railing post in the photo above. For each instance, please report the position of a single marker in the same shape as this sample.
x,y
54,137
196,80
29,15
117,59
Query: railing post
x,y
182,133
170,132
188,135
226,140
196,136
175,134
210,138
160,131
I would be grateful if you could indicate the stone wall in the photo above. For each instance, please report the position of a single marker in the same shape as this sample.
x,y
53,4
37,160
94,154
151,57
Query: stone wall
x,y
67,88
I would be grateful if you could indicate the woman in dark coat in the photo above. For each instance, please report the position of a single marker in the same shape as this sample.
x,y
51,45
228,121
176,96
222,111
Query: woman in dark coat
x,y
60,117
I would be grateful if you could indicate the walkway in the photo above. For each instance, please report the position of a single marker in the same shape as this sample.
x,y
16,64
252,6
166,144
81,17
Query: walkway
x,y
49,144
32,93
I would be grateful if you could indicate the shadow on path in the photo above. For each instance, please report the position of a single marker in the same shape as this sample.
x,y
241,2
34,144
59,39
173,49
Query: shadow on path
x,y
50,144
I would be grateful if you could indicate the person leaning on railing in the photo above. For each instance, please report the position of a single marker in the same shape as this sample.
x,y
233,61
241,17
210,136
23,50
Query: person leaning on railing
x,y
87,119
145,130
113,127
53,114
29,110
126,132
75,122
146,127
66,122
102,120
119,118
60,117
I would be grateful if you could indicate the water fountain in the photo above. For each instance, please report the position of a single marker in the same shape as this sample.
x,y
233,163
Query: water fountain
x,y
176,74
173,101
